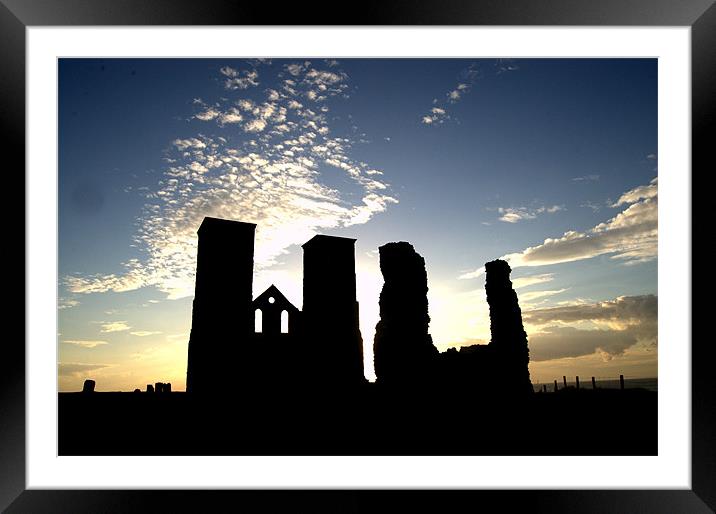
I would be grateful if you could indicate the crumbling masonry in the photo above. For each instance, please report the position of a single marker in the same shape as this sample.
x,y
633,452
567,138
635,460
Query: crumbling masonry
x,y
404,354
266,346
403,349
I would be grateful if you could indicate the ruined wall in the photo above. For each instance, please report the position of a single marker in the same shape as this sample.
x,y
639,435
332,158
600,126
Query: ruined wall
x,y
509,339
403,349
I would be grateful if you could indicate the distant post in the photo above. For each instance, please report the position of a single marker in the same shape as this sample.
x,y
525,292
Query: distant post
x,y
168,387
577,382
150,388
88,386
564,380
544,388
555,386
594,383
159,387
621,382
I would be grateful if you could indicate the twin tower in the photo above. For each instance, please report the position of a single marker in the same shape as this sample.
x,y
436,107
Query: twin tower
x,y
237,342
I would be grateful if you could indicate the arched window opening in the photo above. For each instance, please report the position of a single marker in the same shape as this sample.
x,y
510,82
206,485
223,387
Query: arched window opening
x,y
258,321
284,322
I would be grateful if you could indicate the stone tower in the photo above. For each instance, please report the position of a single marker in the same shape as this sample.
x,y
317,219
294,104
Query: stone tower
x,y
330,311
403,349
222,315
509,339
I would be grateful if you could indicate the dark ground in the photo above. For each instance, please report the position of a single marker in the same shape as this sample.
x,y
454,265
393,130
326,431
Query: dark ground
x,y
369,422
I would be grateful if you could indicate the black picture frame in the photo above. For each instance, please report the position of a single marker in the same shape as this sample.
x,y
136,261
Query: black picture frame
x,y
16,15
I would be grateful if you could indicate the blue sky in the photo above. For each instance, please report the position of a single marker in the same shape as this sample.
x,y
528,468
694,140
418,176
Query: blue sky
x,y
550,163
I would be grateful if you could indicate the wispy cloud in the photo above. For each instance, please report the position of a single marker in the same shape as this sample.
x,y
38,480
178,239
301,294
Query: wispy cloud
x,y
173,338
586,178
531,296
267,167
532,280
517,214
78,369
438,113
435,116
472,274
66,303
144,333
630,236
84,343
457,93
114,326
504,65
595,207
144,354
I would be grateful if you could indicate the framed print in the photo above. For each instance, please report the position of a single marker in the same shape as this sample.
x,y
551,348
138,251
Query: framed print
x,y
416,248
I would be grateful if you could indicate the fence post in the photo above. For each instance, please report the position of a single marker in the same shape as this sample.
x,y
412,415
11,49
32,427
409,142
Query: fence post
x,y
621,382
594,383
564,379
577,382
555,386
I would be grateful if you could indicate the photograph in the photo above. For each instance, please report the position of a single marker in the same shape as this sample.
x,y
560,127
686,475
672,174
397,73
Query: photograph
x,y
357,256
398,255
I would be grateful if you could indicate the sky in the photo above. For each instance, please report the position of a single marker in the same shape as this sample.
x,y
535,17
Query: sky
x,y
550,164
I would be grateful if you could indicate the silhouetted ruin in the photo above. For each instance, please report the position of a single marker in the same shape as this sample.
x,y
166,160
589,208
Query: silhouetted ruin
x,y
509,339
267,343
160,387
267,378
404,353
403,350
88,386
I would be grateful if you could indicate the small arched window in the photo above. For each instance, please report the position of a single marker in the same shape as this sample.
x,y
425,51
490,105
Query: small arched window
x,y
258,321
284,322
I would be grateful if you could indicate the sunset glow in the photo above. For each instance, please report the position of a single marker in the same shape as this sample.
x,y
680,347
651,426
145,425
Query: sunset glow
x,y
549,164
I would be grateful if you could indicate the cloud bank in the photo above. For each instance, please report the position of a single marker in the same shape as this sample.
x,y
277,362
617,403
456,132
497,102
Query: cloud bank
x,y
620,324
631,236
